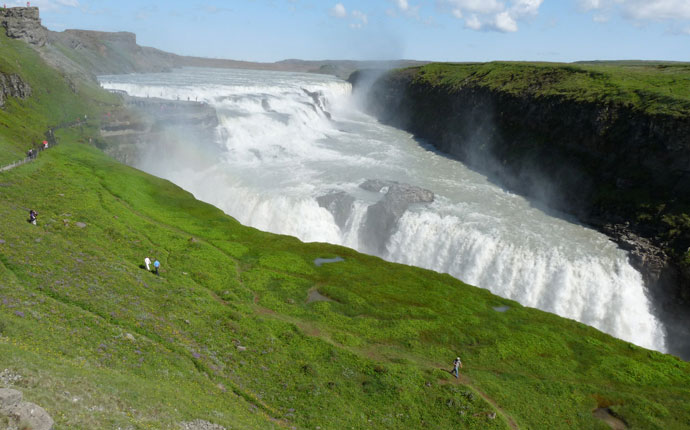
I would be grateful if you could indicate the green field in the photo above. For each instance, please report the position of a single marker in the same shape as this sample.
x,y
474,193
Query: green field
x,y
227,333
651,88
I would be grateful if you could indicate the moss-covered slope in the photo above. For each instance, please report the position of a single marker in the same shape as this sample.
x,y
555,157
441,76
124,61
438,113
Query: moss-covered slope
x,y
227,333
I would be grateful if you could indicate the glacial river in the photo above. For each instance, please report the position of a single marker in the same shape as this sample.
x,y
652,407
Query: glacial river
x,y
287,139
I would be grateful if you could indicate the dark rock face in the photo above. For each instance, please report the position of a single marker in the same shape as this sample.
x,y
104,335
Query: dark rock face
x,y
382,217
338,203
23,23
12,86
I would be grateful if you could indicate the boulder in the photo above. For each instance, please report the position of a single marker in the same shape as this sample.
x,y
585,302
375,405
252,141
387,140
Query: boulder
x,y
21,414
31,416
382,218
339,204
9,399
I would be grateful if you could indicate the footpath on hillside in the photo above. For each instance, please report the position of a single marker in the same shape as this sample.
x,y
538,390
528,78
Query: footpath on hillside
x,y
49,139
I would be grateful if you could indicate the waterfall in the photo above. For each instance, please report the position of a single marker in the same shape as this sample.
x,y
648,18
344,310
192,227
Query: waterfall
x,y
293,152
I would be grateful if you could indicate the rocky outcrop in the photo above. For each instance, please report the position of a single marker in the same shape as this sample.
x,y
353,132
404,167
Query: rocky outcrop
x,y
339,204
23,23
22,415
382,217
12,86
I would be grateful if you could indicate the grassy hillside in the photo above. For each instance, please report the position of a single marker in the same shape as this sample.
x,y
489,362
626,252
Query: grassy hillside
x,y
71,295
234,332
651,88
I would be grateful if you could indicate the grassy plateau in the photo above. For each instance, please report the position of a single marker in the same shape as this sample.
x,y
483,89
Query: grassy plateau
x,y
651,88
228,333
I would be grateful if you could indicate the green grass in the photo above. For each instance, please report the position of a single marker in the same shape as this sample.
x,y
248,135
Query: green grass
x,y
226,334
650,88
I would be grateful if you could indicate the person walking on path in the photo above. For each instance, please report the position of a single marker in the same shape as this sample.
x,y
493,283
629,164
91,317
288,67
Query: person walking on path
x,y
457,364
147,262
156,265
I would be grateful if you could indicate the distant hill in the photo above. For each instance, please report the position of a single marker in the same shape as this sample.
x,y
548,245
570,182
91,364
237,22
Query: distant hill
x,y
90,53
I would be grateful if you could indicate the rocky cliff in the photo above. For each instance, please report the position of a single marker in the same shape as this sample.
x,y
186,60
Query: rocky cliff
x,y
11,85
616,166
23,23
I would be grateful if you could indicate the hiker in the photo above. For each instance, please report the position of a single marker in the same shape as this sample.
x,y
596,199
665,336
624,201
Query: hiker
x,y
30,154
32,216
457,364
147,262
156,265
45,144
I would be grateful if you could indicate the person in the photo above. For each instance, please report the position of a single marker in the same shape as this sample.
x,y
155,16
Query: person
x,y
457,364
32,216
30,153
156,265
147,261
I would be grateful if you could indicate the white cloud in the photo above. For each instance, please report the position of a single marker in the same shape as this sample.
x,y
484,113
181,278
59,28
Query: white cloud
x,y
601,18
403,8
641,10
473,23
360,16
496,15
658,10
505,22
339,11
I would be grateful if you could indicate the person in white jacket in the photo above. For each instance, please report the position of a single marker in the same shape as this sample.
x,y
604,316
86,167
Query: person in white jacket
x,y
147,261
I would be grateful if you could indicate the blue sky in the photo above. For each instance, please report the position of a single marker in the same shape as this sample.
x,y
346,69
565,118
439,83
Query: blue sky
x,y
443,30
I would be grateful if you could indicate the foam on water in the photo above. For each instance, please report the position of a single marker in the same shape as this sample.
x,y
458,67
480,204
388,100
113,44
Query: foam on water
x,y
281,151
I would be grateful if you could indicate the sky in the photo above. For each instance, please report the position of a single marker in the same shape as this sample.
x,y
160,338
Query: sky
x,y
432,30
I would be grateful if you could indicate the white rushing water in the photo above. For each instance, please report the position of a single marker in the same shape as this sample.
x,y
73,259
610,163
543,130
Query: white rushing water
x,y
278,151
